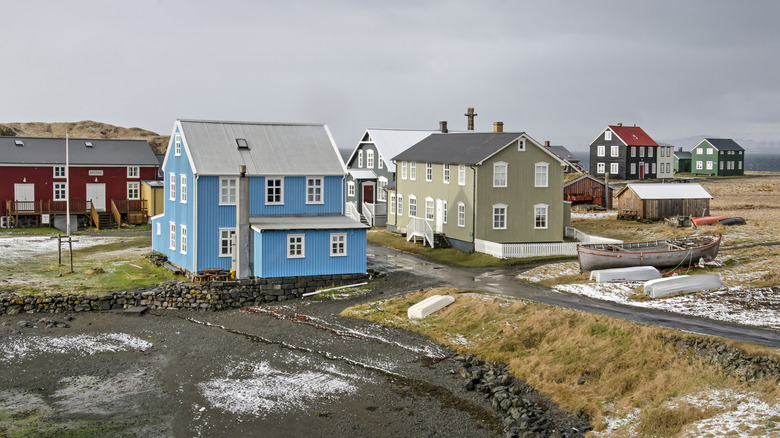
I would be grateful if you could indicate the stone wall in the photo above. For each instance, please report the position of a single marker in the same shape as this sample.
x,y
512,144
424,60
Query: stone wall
x,y
181,295
734,361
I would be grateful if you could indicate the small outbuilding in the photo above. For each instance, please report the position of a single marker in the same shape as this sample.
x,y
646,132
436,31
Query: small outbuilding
x,y
587,190
656,201
682,161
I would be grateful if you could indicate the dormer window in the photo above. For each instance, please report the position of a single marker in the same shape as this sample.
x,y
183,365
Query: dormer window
x,y
88,144
18,142
242,144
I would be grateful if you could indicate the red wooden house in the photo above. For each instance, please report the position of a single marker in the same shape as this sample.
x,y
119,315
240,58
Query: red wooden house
x,y
104,178
588,190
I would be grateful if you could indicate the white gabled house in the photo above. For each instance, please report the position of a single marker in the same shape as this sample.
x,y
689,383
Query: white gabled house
x,y
278,188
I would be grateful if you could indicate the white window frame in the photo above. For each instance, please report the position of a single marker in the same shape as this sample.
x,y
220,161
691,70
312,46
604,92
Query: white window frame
x,y
614,168
600,151
60,191
650,151
360,158
133,190
641,151
172,186
400,205
403,170
380,163
444,212
709,165
391,204
338,244
721,165
59,171
699,165
739,165
296,246
521,145
461,214
315,190
709,151
633,168
370,159
633,151
412,206
350,188
159,228
614,151
652,168
499,216
183,238
276,191
225,248
461,174
133,171
601,168
429,172
381,189
182,189
542,174
172,236
446,173
413,170
607,135
700,151
500,174
177,144
228,193
544,209
429,209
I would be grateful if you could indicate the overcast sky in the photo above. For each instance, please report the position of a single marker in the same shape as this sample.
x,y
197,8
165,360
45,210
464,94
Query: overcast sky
x,y
559,70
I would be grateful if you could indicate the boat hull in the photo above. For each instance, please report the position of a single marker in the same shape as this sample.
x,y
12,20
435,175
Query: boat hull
x,y
659,253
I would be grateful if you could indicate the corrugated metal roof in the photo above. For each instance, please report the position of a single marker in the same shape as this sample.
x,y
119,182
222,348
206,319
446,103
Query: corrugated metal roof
x,y
391,142
460,148
724,144
682,154
303,222
39,150
273,148
670,191
362,174
633,135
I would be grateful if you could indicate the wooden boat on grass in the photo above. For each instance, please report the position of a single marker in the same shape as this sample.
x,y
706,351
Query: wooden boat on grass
x,y
674,252
707,220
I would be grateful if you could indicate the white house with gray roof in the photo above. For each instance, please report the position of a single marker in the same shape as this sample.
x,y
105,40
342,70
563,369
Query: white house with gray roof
x,y
278,188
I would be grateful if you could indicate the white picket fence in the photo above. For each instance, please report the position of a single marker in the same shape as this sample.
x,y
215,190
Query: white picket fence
x,y
526,250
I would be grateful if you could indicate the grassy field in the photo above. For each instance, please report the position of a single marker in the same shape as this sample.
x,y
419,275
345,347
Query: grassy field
x,y
608,366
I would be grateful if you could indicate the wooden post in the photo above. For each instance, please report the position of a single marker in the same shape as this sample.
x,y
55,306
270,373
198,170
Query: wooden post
x,y
70,247
59,249
608,196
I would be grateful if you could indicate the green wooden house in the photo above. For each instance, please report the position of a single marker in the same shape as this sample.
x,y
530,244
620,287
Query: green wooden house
x,y
718,156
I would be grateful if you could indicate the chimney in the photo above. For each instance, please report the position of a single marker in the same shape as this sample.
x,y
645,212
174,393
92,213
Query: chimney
x,y
470,114
498,126
547,143
443,126
620,124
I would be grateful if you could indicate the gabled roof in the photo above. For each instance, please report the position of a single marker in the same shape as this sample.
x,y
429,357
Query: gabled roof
x,y
563,153
465,148
632,135
724,144
589,177
682,155
51,151
272,148
391,142
667,191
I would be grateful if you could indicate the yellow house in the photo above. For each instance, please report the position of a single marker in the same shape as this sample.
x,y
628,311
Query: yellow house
x,y
152,193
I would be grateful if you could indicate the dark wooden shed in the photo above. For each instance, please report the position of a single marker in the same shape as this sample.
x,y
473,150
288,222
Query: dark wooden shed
x,y
587,190
655,201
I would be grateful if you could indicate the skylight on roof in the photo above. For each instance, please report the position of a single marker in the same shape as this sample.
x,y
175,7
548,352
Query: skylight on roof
x,y
18,142
242,144
88,144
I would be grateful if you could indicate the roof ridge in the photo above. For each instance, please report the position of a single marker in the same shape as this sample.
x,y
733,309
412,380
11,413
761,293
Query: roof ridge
x,y
238,122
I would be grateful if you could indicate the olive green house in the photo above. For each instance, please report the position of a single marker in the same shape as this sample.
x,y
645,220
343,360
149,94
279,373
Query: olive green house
x,y
718,156
484,192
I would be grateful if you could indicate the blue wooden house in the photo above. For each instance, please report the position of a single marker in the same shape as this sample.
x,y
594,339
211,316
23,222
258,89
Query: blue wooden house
x,y
263,199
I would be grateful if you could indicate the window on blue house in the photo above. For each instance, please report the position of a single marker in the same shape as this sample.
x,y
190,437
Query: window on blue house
x,y
182,189
314,191
274,191
183,239
172,240
296,246
226,241
172,186
227,191
338,244
177,144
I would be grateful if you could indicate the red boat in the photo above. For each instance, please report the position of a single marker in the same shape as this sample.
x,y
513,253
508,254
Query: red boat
x,y
707,220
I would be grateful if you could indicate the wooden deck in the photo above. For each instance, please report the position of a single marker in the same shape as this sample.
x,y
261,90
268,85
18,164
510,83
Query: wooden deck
x,y
132,211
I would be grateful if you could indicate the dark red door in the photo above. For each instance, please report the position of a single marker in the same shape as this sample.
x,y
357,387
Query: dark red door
x,y
641,170
368,194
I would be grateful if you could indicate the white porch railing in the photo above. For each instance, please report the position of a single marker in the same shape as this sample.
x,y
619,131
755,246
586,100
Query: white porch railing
x,y
526,250
419,227
368,212
352,211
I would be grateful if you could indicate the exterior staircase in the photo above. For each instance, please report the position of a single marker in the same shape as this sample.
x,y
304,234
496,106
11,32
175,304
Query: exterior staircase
x,y
106,220
440,241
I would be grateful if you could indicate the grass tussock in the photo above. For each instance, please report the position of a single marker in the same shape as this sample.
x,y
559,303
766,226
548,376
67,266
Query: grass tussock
x,y
602,364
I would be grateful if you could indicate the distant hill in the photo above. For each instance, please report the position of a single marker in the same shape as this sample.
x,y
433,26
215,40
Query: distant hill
x,y
84,129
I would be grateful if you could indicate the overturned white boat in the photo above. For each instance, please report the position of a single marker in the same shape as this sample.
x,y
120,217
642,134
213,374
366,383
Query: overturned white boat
x,y
429,305
635,273
682,284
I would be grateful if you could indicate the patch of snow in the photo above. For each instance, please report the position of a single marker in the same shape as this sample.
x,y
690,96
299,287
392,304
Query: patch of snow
x,y
595,215
82,345
613,423
745,415
25,247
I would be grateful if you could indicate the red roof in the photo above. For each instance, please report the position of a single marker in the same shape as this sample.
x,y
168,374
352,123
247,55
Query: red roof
x,y
633,135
